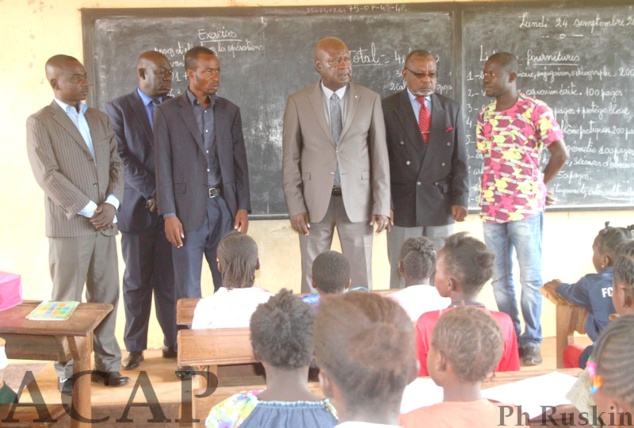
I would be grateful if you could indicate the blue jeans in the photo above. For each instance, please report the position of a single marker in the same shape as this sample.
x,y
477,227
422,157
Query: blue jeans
x,y
525,236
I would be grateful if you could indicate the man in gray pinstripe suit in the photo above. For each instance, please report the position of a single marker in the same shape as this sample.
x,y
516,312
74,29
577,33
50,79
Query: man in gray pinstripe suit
x,y
73,154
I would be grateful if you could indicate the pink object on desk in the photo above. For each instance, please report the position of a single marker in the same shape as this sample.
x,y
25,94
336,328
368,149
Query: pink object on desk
x,y
10,290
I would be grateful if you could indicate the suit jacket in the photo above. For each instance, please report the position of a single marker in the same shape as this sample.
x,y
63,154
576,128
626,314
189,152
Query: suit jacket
x,y
181,167
65,169
310,155
136,149
426,180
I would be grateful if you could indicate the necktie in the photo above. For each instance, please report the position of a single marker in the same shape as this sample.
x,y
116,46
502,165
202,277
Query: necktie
x,y
424,119
150,108
335,118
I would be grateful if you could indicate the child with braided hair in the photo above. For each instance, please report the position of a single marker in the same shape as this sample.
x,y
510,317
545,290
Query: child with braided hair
x,y
466,345
234,303
610,371
416,265
464,265
282,339
623,299
364,347
594,291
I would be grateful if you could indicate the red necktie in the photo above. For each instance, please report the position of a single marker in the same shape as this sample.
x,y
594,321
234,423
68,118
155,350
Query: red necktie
x,y
424,119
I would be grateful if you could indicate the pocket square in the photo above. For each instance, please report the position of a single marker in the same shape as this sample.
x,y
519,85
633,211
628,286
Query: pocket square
x,y
449,129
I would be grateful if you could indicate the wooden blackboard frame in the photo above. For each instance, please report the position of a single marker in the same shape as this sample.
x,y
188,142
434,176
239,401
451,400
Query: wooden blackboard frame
x,y
456,11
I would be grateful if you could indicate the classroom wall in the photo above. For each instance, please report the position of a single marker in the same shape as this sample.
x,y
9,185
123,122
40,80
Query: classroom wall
x,y
34,30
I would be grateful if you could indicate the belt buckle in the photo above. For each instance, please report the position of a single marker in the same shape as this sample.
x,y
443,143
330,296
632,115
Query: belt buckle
x,y
336,191
213,192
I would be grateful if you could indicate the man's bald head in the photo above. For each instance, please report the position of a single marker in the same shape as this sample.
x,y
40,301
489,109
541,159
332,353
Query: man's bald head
x,y
329,44
333,63
57,64
154,73
68,79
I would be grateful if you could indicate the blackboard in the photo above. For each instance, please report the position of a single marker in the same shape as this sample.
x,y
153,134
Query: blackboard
x,y
580,61
267,53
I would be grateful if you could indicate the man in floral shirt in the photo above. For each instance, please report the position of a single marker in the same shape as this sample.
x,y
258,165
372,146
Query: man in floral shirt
x,y
511,133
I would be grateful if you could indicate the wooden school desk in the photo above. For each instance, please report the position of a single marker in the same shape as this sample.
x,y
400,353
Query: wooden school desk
x,y
57,341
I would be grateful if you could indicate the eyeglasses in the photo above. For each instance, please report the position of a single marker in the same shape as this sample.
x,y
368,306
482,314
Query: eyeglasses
x,y
431,75
334,62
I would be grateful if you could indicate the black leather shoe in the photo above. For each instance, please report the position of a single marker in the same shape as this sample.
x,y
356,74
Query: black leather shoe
x,y
109,378
184,372
169,352
132,360
65,386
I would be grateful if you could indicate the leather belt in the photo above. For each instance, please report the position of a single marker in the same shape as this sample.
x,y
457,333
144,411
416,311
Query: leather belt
x,y
336,191
214,191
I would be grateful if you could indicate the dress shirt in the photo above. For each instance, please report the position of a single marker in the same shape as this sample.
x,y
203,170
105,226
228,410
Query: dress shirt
x,y
147,100
205,120
79,119
341,92
416,104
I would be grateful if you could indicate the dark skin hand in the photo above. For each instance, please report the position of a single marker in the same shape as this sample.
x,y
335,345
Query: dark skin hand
x,y
152,204
174,231
558,157
382,223
300,223
103,217
458,212
241,223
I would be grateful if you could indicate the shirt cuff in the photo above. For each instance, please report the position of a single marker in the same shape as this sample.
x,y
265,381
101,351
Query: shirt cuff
x,y
112,200
88,210
167,215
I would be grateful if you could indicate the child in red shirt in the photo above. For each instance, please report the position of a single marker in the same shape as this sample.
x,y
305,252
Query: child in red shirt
x,y
464,265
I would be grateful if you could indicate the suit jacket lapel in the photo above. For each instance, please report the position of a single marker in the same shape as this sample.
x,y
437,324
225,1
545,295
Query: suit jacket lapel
x,y
186,113
317,101
62,118
136,104
351,108
410,123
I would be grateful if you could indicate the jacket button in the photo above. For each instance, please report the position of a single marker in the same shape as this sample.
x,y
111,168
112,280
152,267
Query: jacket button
x,y
449,143
94,184
407,163
418,183
402,143
443,164
436,184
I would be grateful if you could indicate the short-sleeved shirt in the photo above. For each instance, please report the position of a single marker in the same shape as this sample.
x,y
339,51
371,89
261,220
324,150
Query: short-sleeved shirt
x,y
509,361
511,142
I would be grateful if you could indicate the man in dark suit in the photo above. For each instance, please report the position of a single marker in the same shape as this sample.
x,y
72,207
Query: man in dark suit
x,y
146,251
428,160
335,168
201,171
73,155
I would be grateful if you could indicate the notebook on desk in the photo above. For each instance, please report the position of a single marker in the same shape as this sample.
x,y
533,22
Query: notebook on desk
x,y
52,311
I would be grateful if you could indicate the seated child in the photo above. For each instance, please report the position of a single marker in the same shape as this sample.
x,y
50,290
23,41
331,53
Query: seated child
x,y
623,299
364,346
593,291
610,371
416,265
331,275
466,345
464,265
282,339
234,303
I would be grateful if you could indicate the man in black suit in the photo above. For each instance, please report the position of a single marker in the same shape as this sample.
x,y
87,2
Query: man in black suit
x,y
428,159
146,251
201,171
